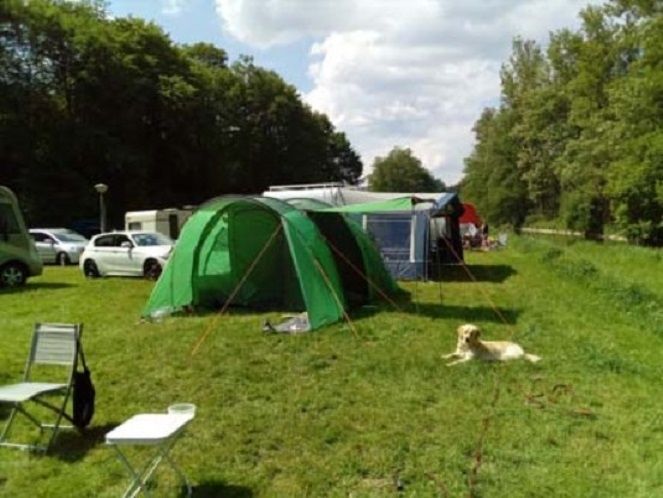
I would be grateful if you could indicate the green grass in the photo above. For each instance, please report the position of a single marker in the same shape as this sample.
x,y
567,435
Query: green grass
x,y
331,414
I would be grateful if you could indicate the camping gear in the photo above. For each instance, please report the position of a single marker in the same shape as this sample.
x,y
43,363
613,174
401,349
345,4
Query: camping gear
x,y
264,253
159,430
416,233
182,409
84,395
52,344
292,325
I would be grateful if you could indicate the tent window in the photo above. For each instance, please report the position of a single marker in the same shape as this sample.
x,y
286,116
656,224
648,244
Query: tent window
x,y
216,259
392,233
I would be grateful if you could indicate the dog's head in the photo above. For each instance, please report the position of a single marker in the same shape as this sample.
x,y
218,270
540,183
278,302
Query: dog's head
x,y
468,335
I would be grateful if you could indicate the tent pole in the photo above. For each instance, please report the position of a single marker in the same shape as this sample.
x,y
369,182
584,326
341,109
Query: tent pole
x,y
485,294
362,275
338,301
325,277
417,277
439,269
236,289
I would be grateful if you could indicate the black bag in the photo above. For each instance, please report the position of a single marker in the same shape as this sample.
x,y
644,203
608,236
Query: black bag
x,y
84,394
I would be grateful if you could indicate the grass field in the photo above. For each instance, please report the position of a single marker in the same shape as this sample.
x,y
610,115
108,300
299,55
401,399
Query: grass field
x,y
377,414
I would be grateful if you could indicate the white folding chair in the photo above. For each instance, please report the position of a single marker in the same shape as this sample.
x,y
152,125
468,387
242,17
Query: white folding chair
x,y
52,344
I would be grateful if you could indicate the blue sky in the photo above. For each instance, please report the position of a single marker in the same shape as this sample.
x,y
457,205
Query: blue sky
x,y
408,73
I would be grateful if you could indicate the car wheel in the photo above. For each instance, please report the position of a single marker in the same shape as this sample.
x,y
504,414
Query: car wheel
x,y
62,259
151,269
90,269
13,275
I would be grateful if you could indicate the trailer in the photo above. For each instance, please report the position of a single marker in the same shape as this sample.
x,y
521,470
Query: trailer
x,y
165,221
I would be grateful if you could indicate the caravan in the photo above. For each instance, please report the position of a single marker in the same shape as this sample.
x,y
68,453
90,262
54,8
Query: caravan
x,y
168,222
18,256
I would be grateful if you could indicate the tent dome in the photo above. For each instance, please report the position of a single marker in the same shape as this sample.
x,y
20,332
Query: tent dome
x,y
262,252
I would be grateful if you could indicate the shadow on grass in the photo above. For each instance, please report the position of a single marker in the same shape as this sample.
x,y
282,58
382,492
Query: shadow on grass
x,y
467,313
29,287
481,273
5,409
218,489
461,313
71,446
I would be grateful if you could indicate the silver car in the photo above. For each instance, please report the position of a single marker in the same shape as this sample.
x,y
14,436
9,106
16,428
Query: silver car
x,y
58,245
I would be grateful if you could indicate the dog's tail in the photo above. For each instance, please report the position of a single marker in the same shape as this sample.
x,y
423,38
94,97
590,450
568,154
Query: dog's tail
x,y
532,357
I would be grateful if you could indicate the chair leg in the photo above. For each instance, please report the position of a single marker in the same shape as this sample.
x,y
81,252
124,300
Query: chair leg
x,y
55,427
8,424
5,433
60,411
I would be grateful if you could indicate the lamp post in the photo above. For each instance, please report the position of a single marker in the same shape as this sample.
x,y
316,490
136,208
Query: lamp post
x,y
102,188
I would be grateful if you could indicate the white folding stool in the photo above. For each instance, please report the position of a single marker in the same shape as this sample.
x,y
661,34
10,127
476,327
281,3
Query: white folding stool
x,y
150,429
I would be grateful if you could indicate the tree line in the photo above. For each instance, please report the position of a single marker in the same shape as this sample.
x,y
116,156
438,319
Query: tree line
x,y
578,135
87,98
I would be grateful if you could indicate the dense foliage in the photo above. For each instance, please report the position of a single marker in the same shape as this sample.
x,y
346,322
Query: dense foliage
x,y
578,136
401,171
85,98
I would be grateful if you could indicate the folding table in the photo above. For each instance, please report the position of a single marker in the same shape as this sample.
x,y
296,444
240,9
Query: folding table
x,y
160,430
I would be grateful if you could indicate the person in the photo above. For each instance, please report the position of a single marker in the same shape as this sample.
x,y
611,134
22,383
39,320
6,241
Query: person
x,y
485,242
470,236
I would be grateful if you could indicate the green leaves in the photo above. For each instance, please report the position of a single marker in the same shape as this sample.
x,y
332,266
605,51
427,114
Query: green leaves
x,y
577,133
401,171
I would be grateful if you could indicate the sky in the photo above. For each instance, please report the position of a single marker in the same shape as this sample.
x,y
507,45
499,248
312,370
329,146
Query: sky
x,y
407,73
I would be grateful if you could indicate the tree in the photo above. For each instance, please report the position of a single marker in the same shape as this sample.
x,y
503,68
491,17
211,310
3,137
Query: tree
x,y
577,135
85,98
540,128
401,171
635,176
583,165
492,181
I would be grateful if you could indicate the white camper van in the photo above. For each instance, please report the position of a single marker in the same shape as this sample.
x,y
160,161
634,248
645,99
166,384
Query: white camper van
x,y
18,256
168,222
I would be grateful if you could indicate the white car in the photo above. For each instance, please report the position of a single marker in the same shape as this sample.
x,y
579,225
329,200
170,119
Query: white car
x,y
58,245
126,254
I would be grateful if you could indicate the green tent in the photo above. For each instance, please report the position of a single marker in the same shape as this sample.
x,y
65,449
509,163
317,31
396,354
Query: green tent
x,y
363,274
265,253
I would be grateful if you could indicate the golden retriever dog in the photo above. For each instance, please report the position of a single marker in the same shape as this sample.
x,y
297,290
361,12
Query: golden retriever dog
x,y
469,346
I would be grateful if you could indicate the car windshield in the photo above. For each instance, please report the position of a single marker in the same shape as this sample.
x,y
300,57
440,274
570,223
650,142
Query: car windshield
x,y
69,236
152,239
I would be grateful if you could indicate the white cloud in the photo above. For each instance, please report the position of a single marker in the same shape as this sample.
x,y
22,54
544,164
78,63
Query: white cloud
x,y
173,7
413,73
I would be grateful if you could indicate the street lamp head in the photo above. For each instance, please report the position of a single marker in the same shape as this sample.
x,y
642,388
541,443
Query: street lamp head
x,y
102,188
